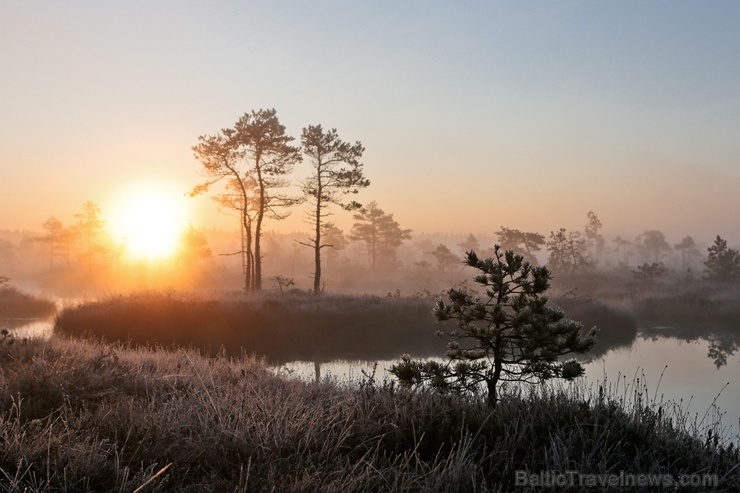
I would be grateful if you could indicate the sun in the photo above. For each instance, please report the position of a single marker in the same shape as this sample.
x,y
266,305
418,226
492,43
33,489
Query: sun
x,y
148,220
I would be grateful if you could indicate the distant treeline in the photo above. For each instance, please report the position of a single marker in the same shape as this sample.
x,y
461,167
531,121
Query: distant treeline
x,y
59,262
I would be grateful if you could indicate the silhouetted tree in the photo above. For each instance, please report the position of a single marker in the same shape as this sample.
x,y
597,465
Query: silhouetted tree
x,y
335,239
337,171
470,243
256,150
58,238
381,234
283,282
510,334
89,227
444,257
263,140
723,263
240,196
688,250
567,251
594,239
622,246
521,242
652,244
194,246
222,160
650,272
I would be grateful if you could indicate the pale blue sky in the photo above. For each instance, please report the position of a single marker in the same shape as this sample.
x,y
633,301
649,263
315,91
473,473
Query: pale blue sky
x,y
474,114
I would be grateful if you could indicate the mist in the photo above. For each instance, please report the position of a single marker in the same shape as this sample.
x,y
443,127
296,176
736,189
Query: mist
x,y
328,246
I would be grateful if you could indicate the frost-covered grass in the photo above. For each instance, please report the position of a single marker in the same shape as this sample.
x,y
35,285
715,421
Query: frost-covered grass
x,y
83,416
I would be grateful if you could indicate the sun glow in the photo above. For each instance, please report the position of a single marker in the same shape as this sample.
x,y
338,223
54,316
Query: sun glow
x,y
148,220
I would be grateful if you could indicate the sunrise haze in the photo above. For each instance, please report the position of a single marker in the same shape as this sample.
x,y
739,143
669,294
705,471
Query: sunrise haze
x,y
474,115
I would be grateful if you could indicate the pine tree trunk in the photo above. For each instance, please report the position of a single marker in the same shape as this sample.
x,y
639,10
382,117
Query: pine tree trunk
x,y
317,244
258,229
492,399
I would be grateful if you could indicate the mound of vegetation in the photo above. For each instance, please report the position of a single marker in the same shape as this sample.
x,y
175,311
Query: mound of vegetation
x,y
617,328
693,313
300,327
17,304
81,416
297,327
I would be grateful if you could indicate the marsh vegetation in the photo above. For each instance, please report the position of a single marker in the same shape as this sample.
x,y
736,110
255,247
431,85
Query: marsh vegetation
x,y
16,305
178,389
298,326
82,416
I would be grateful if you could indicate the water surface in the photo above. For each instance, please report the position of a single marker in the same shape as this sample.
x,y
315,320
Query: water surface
x,y
667,368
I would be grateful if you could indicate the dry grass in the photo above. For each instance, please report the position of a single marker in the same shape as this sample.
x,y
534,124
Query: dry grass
x,y
80,416
297,327
283,329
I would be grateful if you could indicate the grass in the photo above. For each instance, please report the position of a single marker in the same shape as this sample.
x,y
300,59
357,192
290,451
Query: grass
x,y
82,416
282,329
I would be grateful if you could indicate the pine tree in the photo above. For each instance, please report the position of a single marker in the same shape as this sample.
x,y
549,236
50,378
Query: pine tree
x,y
650,272
524,243
253,157
444,257
337,171
722,264
88,227
509,334
567,251
381,234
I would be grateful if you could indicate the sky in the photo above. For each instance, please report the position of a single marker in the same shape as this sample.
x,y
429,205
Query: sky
x,y
474,114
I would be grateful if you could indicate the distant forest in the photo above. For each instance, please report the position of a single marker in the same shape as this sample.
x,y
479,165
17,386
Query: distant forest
x,y
375,257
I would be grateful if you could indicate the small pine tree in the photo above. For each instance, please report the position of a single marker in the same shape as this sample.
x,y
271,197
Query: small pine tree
x,y
650,272
722,264
511,334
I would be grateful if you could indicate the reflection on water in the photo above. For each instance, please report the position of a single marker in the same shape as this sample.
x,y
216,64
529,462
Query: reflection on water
x,y
721,348
721,344
691,379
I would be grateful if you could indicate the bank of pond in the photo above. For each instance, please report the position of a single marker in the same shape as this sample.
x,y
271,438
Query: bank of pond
x,y
321,329
78,415
326,328
181,393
